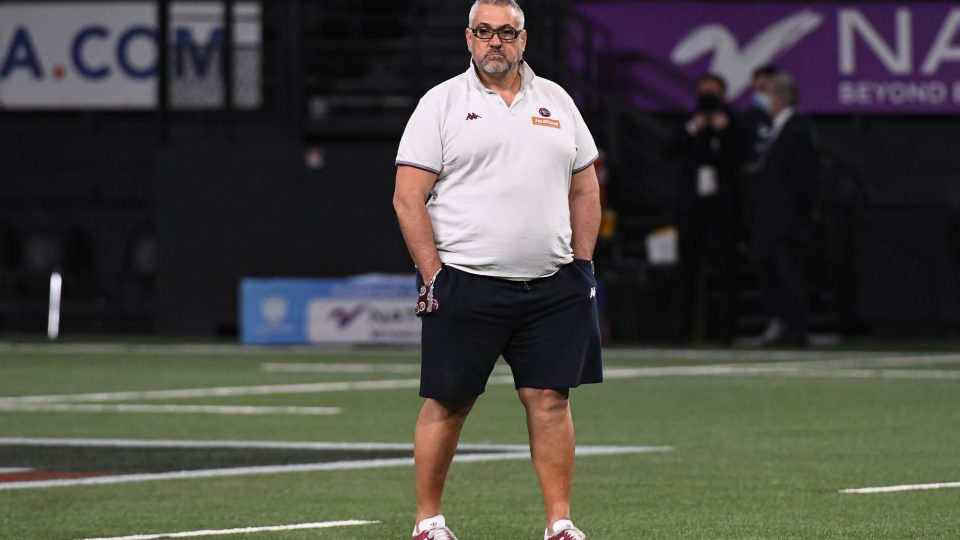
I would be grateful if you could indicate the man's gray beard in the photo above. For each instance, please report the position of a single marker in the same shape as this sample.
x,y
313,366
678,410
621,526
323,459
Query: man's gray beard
x,y
503,67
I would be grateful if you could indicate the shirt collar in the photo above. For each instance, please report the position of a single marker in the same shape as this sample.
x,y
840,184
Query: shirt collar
x,y
526,76
781,119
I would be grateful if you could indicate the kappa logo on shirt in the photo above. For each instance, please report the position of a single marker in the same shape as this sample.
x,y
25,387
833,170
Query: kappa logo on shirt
x,y
473,116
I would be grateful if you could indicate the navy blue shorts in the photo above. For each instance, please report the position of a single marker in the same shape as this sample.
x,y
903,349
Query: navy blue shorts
x,y
546,329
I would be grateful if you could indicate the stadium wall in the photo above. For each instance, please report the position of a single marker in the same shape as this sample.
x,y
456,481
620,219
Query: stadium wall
x,y
251,208
220,202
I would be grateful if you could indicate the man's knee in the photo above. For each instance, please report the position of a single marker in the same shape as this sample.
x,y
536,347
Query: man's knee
x,y
447,410
545,400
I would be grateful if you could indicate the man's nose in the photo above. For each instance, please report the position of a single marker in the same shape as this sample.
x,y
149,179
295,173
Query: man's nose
x,y
499,41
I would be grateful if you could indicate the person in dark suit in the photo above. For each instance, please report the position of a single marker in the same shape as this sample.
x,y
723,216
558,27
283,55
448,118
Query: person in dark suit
x,y
783,192
713,148
757,124
756,120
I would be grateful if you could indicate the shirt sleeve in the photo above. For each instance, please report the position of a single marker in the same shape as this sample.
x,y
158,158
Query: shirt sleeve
x,y
587,151
421,145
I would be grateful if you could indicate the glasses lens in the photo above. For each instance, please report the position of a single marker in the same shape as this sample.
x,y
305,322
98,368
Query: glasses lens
x,y
508,33
483,32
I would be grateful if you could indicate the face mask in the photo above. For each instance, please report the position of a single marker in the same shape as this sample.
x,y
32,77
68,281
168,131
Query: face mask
x,y
762,101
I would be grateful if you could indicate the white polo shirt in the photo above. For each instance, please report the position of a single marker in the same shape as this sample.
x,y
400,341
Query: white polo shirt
x,y
500,206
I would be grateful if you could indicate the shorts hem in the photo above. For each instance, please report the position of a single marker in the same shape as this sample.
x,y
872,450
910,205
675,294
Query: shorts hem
x,y
518,386
438,397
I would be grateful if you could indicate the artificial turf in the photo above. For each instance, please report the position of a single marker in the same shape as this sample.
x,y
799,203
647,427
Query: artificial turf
x,y
754,456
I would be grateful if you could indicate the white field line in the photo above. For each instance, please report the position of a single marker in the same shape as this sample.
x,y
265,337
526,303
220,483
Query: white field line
x,y
297,445
12,470
270,445
863,362
760,369
359,368
313,467
916,374
244,530
897,358
200,349
302,367
875,362
270,389
410,351
878,362
789,369
165,409
741,354
905,487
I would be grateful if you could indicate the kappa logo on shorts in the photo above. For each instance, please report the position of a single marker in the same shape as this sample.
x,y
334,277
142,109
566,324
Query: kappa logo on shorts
x,y
593,292
537,121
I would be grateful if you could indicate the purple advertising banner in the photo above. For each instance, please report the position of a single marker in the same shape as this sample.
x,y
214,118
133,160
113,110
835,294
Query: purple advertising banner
x,y
891,58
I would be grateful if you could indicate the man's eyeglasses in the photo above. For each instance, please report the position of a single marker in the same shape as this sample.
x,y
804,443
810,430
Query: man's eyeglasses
x,y
506,33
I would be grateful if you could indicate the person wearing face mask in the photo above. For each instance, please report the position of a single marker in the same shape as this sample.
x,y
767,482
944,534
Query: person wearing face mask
x,y
757,122
757,119
712,148
782,193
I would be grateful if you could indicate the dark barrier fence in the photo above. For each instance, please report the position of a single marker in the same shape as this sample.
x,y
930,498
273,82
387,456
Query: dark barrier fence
x,y
153,235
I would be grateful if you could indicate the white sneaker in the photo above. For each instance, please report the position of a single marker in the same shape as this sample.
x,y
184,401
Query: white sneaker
x,y
434,528
563,529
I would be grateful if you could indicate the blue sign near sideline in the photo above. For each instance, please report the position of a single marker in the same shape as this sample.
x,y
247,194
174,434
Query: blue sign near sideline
x,y
356,310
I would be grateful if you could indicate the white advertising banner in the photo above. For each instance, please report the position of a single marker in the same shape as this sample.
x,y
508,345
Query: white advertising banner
x,y
105,56
362,321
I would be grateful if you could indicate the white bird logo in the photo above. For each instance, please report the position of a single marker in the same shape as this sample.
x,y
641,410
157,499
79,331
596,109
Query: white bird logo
x,y
736,66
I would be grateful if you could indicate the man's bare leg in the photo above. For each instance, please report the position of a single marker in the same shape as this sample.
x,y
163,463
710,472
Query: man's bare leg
x,y
434,445
550,424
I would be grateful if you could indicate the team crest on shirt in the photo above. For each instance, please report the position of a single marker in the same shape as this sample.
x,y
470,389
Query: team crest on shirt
x,y
544,119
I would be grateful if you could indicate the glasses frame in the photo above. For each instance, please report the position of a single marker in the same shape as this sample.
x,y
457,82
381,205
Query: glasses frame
x,y
496,31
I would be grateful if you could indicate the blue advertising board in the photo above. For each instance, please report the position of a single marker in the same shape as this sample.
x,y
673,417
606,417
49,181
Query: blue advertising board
x,y
356,310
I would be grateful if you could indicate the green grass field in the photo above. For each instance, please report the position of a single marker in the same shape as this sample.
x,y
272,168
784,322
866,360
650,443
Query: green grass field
x,y
762,443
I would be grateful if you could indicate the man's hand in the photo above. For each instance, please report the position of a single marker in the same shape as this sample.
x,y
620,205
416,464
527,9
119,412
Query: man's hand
x,y
427,301
719,120
697,124
429,274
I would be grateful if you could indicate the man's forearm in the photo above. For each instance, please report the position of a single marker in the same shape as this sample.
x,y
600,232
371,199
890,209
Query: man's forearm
x,y
585,222
418,235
